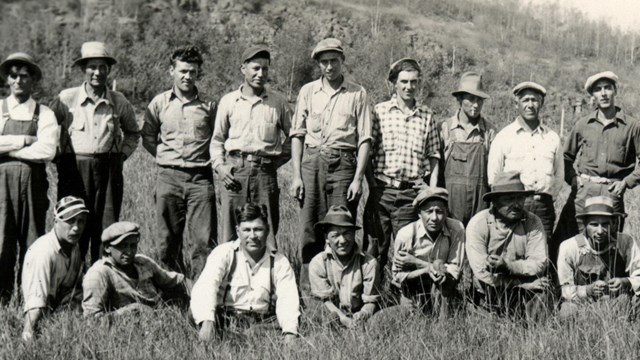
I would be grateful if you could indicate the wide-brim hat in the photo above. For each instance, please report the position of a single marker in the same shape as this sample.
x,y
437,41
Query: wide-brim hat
x,y
394,69
338,215
609,75
471,83
328,44
20,58
94,50
599,206
507,183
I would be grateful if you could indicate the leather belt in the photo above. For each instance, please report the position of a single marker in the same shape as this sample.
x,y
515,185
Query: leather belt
x,y
395,183
256,159
541,196
331,151
597,179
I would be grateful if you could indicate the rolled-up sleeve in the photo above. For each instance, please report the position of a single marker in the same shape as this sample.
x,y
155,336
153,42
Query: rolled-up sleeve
x,y
567,258
48,135
36,277
535,262
299,119
287,299
371,281
363,112
95,290
204,295
321,287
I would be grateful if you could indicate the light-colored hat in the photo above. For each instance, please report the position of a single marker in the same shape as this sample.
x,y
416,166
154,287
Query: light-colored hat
x,y
20,58
507,183
94,50
328,44
430,193
69,207
603,75
529,85
471,83
394,69
337,215
599,205
117,232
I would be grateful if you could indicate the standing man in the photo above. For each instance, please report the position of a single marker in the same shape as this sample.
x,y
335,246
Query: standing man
x,y
29,135
332,129
405,157
177,131
466,139
600,155
99,131
250,142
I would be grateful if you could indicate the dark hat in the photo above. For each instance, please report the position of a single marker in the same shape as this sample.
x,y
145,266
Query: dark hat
x,y
20,58
254,50
529,85
471,83
117,232
337,215
430,193
69,207
394,69
507,183
94,50
599,205
603,75
328,44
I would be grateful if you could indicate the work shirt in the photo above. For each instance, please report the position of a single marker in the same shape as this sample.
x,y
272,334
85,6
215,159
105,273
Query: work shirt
x,y
177,132
50,278
339,119
523,243
107,288
605,151
451,131
569,258
48,134
536,155
447,247
246,288
106,126
349,286
258,125
403,143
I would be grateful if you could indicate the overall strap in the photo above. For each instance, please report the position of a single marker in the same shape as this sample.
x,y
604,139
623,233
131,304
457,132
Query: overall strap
x,y
5,114
36,113
271,309
232,269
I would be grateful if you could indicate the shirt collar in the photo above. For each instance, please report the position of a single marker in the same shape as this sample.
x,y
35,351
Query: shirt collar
x,y
173,94
84,96
329,251
613,244
264,95
418,109
343,86
620,116
13,103
480,126
235,244
421,231
521,125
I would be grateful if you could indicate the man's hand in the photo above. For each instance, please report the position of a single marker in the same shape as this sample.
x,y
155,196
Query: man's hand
x,y
347,321
28,140
419,186
296,189
406,261
207,331
27,336
355,188
496,263
618,188
597,289
619,286
289,338
437,272
226,175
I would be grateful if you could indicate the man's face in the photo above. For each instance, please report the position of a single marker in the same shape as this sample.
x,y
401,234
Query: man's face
x,y
96,72
407,84
598,228
124,252
253,237
184,75
509,206
256,72
71,229
605,93
529,104
341,239
330,65
471,105
433,214
20,81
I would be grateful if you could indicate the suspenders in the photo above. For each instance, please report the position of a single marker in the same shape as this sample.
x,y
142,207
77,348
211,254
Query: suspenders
x,y
6,116
232,269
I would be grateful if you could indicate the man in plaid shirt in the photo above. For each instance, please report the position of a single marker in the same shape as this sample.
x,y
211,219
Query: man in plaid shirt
x,y
405,158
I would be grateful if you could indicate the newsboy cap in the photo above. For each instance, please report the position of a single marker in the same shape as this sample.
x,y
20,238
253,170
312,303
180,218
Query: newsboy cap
x,y
253,51
328,44
69,207
430,193
394,69
20,58
603,75
117,232
529,85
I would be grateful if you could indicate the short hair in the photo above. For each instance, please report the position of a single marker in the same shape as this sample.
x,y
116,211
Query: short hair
x,y
403,66
250,212
189,54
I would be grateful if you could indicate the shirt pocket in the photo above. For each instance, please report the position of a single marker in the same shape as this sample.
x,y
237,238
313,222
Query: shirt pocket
x,y
389,139
514,159
202,129
344,121
314,122
547,161
269,130
77,123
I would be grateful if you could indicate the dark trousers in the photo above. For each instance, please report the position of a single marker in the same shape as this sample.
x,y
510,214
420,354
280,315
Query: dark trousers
x,y
542,206
523,304
185,203
98,180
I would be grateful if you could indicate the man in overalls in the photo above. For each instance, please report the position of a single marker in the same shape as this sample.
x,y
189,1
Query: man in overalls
x,y
599,263
28,138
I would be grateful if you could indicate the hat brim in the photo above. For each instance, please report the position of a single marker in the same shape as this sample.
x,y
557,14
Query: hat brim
x,y
417,205
614,81
80,61
5,65
601,213
322,224
122,237
477,93
72,214
488,196
317,53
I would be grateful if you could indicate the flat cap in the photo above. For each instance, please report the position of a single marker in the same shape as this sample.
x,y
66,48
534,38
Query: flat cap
x,y
529,85
394,69
603,75
430,193
69,207
117,232
253,51
328,44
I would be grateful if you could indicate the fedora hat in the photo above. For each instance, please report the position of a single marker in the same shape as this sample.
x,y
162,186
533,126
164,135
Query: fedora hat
x,y
507,183
337,215
20,58
94,50
599,206
471,83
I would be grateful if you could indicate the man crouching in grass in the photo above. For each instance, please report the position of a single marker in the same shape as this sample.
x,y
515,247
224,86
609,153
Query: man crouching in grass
x,y
343,279
124,281
600,263
245,285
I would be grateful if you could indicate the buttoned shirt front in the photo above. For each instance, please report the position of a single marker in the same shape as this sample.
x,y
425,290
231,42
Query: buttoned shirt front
x,y
246,288
447,247
403,143
90,127
608,151
536,155
451,131
339,119
48,133
258,125
178,132
107,288
352,285
50,278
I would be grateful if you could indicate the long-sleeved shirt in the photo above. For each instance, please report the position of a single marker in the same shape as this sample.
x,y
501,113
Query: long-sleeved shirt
x,y
50,278
403,143
338,119
447,247
258,125
607,151
107,288
352,285
48,133
522,243
178,133
452,131
87,127
536,155
248,287
569,259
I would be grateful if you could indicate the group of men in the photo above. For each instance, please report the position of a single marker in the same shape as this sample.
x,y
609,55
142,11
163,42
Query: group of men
x,y
455,198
